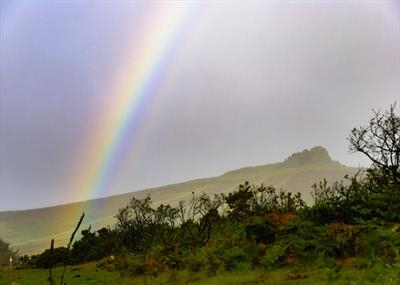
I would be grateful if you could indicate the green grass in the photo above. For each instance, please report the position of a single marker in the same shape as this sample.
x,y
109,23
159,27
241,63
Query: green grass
x,y
81,274
87,274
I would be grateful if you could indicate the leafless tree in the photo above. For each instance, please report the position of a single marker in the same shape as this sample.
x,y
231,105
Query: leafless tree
x,y
380,142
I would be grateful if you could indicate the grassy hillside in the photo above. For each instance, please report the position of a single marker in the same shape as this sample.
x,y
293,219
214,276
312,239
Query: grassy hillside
x,y
30,231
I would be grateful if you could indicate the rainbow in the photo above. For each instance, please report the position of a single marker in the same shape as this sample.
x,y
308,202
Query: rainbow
x,y
133,90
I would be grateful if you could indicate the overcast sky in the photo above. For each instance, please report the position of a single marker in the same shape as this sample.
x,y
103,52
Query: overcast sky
x,y
245,83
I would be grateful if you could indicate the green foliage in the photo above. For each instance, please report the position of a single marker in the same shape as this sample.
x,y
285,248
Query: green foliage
x,y
239,202
275,256
359,199
299,240
364,262
261,232
197,261
261,229
233,257
50,258
136,224
94,245
251,200
377,241
385,203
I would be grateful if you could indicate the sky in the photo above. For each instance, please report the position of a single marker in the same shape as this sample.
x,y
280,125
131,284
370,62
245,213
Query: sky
x,y
106,97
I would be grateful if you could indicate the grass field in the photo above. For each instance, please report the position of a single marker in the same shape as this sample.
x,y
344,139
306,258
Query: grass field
x,y
88,274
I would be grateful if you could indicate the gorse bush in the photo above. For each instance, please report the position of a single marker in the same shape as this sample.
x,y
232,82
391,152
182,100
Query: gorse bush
x,y
251,200
50,259
261,232
275,256
94,245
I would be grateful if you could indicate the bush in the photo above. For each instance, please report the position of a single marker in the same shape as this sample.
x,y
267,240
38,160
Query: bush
x,y
94,245
50,259
378,241
261,232
233,257
274,257
197,261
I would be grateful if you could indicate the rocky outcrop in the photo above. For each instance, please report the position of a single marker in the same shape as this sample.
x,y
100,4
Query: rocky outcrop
x,y
316,156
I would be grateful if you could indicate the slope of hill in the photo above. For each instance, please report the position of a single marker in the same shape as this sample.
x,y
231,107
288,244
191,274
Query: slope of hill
x,y
30,231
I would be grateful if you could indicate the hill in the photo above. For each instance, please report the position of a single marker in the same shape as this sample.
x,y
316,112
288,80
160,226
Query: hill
x,y
30,231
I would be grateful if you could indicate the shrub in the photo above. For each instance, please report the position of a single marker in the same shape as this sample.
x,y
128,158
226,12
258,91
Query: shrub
x,y
197,261
233,257
378,241
50,259
261,232
274,257
94,245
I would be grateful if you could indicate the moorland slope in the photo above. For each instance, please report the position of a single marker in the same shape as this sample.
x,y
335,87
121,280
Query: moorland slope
x,y
30,231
